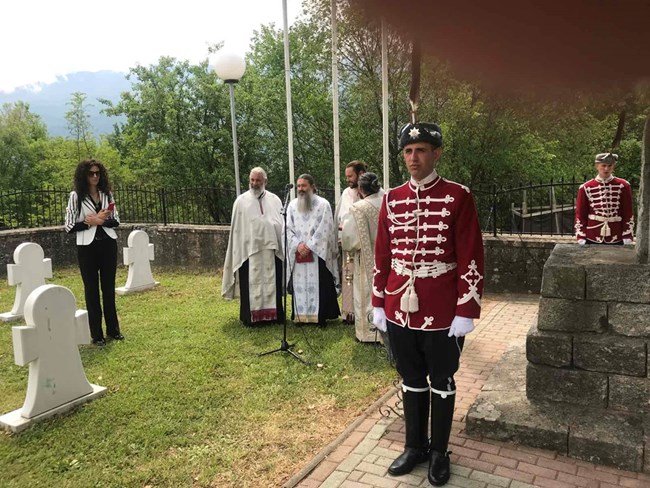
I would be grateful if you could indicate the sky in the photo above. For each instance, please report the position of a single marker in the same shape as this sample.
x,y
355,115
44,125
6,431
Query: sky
x,y
43,39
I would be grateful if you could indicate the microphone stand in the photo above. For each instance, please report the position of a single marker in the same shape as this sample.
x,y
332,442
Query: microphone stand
x,y
284,345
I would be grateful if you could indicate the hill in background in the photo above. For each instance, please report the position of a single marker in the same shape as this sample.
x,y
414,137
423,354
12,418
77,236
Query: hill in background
x,y
50,102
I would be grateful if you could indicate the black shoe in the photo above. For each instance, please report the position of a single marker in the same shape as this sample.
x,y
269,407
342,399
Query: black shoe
x,y
408,460
99,342
439,468
117,337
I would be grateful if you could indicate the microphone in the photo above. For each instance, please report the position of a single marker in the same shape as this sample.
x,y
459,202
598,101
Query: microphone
x,y
287,194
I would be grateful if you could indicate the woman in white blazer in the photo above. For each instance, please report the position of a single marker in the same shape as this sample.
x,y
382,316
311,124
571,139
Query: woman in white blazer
x,y
92,215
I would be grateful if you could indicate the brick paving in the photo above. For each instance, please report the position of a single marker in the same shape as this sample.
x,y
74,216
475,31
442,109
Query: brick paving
x,y
362,459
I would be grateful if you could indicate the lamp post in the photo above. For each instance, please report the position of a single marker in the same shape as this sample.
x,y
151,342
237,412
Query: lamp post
x,y
230,68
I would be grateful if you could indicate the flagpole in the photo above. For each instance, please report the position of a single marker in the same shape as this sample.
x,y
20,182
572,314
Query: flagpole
x,y
335,108
384,102
287,81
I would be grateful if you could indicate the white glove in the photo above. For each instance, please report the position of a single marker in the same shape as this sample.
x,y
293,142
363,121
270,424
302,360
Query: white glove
x,y
460,326
582,242
379,318
627,241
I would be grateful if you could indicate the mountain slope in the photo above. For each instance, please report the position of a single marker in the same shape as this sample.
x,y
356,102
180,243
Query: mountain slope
x,y
50,101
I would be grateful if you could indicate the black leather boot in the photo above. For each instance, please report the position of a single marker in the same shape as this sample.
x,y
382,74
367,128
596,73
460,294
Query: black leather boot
x,y
416,447
439,468
442,415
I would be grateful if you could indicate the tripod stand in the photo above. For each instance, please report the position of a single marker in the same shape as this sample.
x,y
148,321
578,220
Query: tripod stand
x,y
284,345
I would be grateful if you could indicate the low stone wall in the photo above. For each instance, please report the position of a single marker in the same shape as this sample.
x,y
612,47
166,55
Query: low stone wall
x,y
513,264
175,245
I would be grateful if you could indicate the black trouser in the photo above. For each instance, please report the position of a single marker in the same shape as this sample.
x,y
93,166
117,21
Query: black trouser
x,y
619,243
98,263
419,354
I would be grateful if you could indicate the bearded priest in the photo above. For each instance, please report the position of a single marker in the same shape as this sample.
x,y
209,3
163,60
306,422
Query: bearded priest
x,y
253,266
312,256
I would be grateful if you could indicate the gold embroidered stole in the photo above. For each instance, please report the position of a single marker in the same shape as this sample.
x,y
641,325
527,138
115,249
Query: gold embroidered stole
x,y
364,214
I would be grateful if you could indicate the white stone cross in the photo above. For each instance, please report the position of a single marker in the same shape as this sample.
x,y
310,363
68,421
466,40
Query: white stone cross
x,y
48,343
26,275
137,257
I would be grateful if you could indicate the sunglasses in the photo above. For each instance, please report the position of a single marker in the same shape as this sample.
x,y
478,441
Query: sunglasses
x,y
93,173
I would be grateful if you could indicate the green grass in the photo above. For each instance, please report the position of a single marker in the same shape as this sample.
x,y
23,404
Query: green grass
x,y
190,403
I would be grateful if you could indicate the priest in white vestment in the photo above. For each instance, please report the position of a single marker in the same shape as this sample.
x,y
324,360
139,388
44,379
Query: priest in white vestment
x,y
358,239
351,195
252,270
312,256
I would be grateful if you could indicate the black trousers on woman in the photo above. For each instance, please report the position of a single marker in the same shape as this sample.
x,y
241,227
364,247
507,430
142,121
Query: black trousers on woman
x,y
98,264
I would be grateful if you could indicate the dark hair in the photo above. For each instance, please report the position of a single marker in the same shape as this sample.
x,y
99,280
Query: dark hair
x,y
81,179
357,166
369,183
307,177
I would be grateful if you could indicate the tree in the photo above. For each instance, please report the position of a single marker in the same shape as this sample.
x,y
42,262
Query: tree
x,y
261,97
22,136
79,125
177,125
489,138
177,131
60,158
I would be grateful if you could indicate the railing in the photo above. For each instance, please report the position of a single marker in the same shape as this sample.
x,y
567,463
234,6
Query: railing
x,y
532,209
543,208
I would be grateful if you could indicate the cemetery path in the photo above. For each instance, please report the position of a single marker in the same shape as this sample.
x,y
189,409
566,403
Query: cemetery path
x,y
361,459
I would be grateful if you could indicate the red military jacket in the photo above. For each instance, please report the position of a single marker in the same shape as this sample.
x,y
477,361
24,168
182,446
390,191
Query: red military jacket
x,y
428,255
604,212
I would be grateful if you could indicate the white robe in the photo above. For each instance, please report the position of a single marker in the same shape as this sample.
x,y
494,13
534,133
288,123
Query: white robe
x,y
348,198
256,235
358,238
316,229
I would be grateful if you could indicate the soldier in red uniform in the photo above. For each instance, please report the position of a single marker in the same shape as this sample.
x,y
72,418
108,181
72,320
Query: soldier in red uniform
x,y
604,212
427,290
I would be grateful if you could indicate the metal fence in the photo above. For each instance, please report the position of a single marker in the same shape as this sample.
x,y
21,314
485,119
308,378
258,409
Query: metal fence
x,y
544,208
541,208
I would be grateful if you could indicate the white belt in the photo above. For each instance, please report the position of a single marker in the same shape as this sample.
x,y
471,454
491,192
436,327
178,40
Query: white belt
x,y
432,270
409,301
600,218
605,231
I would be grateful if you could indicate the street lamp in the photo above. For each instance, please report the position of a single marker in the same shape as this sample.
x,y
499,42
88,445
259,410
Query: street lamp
x,y
230,68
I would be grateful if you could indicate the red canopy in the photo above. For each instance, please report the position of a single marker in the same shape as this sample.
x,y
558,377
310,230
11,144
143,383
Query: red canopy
x,y
549,44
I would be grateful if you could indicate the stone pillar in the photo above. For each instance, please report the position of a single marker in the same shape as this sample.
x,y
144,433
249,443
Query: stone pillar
x,y
643,217
586,388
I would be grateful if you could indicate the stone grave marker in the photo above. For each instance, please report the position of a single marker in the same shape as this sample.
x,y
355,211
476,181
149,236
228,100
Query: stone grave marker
x,y
137,257
26,275
48,343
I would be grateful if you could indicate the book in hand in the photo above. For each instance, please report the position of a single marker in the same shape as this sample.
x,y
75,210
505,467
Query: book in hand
x,y
307,258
